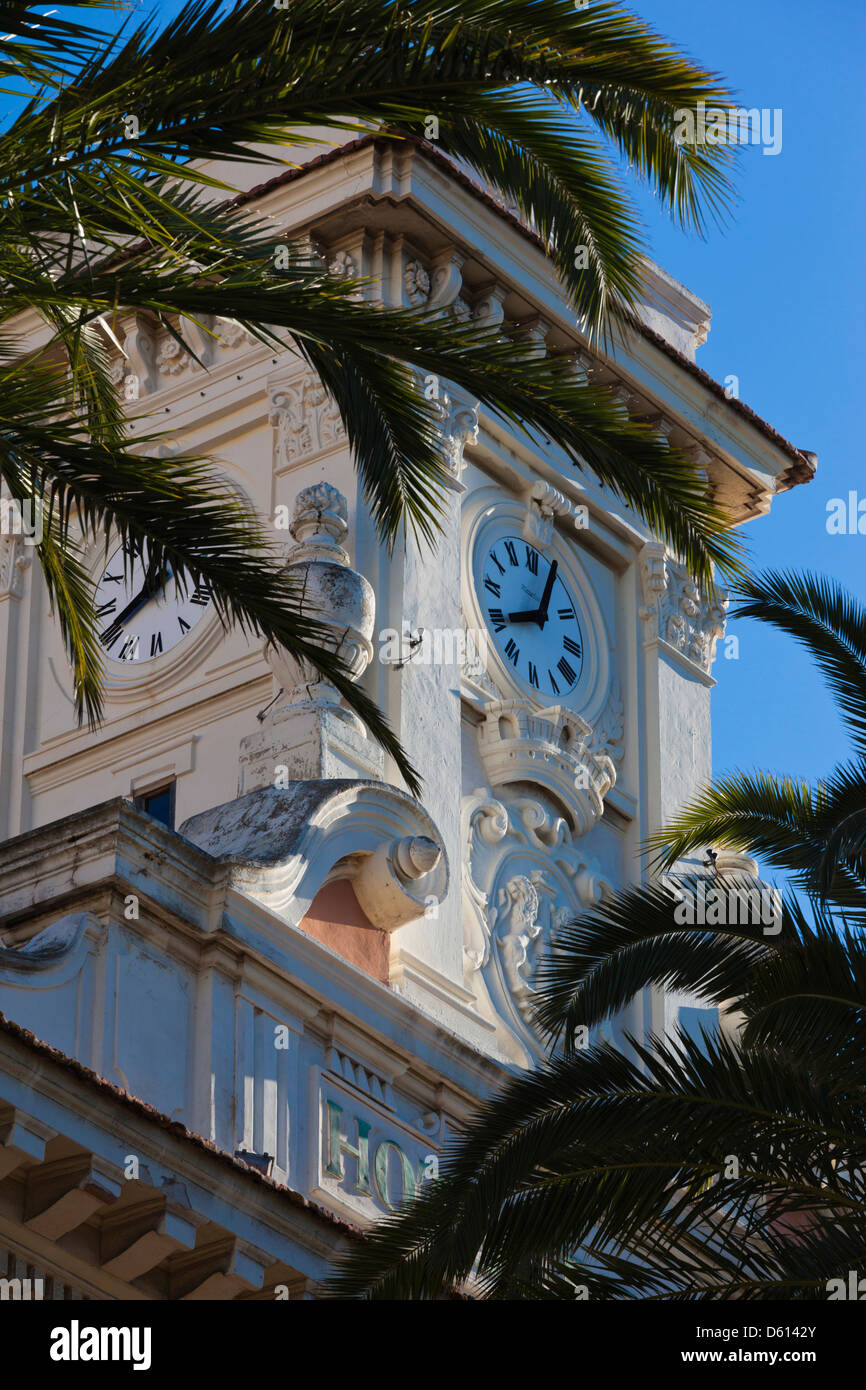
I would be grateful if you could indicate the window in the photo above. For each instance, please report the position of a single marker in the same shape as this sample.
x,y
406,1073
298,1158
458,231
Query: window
x,y
159,803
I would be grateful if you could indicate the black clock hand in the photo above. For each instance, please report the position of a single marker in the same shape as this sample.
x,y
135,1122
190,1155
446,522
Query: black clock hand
x,y
545,597
529,616
143,597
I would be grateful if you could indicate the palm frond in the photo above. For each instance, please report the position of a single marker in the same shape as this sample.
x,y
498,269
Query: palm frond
x,y
829,622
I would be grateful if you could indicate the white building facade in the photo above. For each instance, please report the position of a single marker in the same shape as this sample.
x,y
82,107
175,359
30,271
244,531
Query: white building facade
x,y
250,983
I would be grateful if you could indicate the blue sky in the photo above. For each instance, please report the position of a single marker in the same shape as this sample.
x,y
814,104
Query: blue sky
x,y
785,280
786,285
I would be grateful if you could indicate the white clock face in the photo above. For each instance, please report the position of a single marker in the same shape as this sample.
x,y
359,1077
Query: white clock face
x,y
137,623
532,616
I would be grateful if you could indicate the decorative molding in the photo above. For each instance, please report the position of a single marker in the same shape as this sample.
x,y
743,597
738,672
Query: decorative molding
x,y
139,348
59,948
533,333
653,569
544,505
622,396
488,311
446,280
283,843
305,418
362,1076
663,427
676,611
555,749
458,426
416,283
232,334
606,740
396,883
525,878
15,560
171,358
343,266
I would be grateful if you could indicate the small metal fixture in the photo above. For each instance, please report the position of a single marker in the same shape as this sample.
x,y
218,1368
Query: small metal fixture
x,y
262,712
414,641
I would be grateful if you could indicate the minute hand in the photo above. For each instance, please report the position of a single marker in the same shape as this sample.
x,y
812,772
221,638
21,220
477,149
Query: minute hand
x,y
545,597
144,595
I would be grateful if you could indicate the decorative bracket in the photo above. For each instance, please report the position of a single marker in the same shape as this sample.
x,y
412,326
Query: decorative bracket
x,y
676,612
544,505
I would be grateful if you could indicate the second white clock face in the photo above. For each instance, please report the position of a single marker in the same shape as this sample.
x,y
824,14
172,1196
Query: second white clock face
x,y
532,616
137,623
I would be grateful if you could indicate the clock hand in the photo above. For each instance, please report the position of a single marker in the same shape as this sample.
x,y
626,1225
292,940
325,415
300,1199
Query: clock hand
x,y
143,597
537,615
545,597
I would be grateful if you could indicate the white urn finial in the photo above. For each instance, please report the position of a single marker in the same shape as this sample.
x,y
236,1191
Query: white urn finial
x,y
319,524
332,593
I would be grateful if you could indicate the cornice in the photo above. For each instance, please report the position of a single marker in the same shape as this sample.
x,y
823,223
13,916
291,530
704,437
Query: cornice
x,y
801,466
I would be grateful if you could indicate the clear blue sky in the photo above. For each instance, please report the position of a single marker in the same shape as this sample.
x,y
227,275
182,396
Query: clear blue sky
x,y
785,281
786,284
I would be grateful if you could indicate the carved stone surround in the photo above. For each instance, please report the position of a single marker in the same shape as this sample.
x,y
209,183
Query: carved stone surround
x,y
676,613
525,877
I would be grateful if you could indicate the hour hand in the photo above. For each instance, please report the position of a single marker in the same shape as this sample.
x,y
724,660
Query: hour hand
x,y
529,616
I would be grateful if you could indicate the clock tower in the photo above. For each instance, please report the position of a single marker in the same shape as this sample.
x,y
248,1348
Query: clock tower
x,y
251,983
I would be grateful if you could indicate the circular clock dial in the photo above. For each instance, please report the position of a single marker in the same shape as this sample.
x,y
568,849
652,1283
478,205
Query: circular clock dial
x,y
136,622
532,616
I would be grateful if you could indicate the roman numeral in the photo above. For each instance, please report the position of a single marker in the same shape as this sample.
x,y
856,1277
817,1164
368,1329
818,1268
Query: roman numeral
x,y
155,643
554,687
571,646
531,560
129,650
112,578
201,595
495,558
491,587
512,651
184,626
497,617
104,608
563,666
512,552
565,614
533,675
